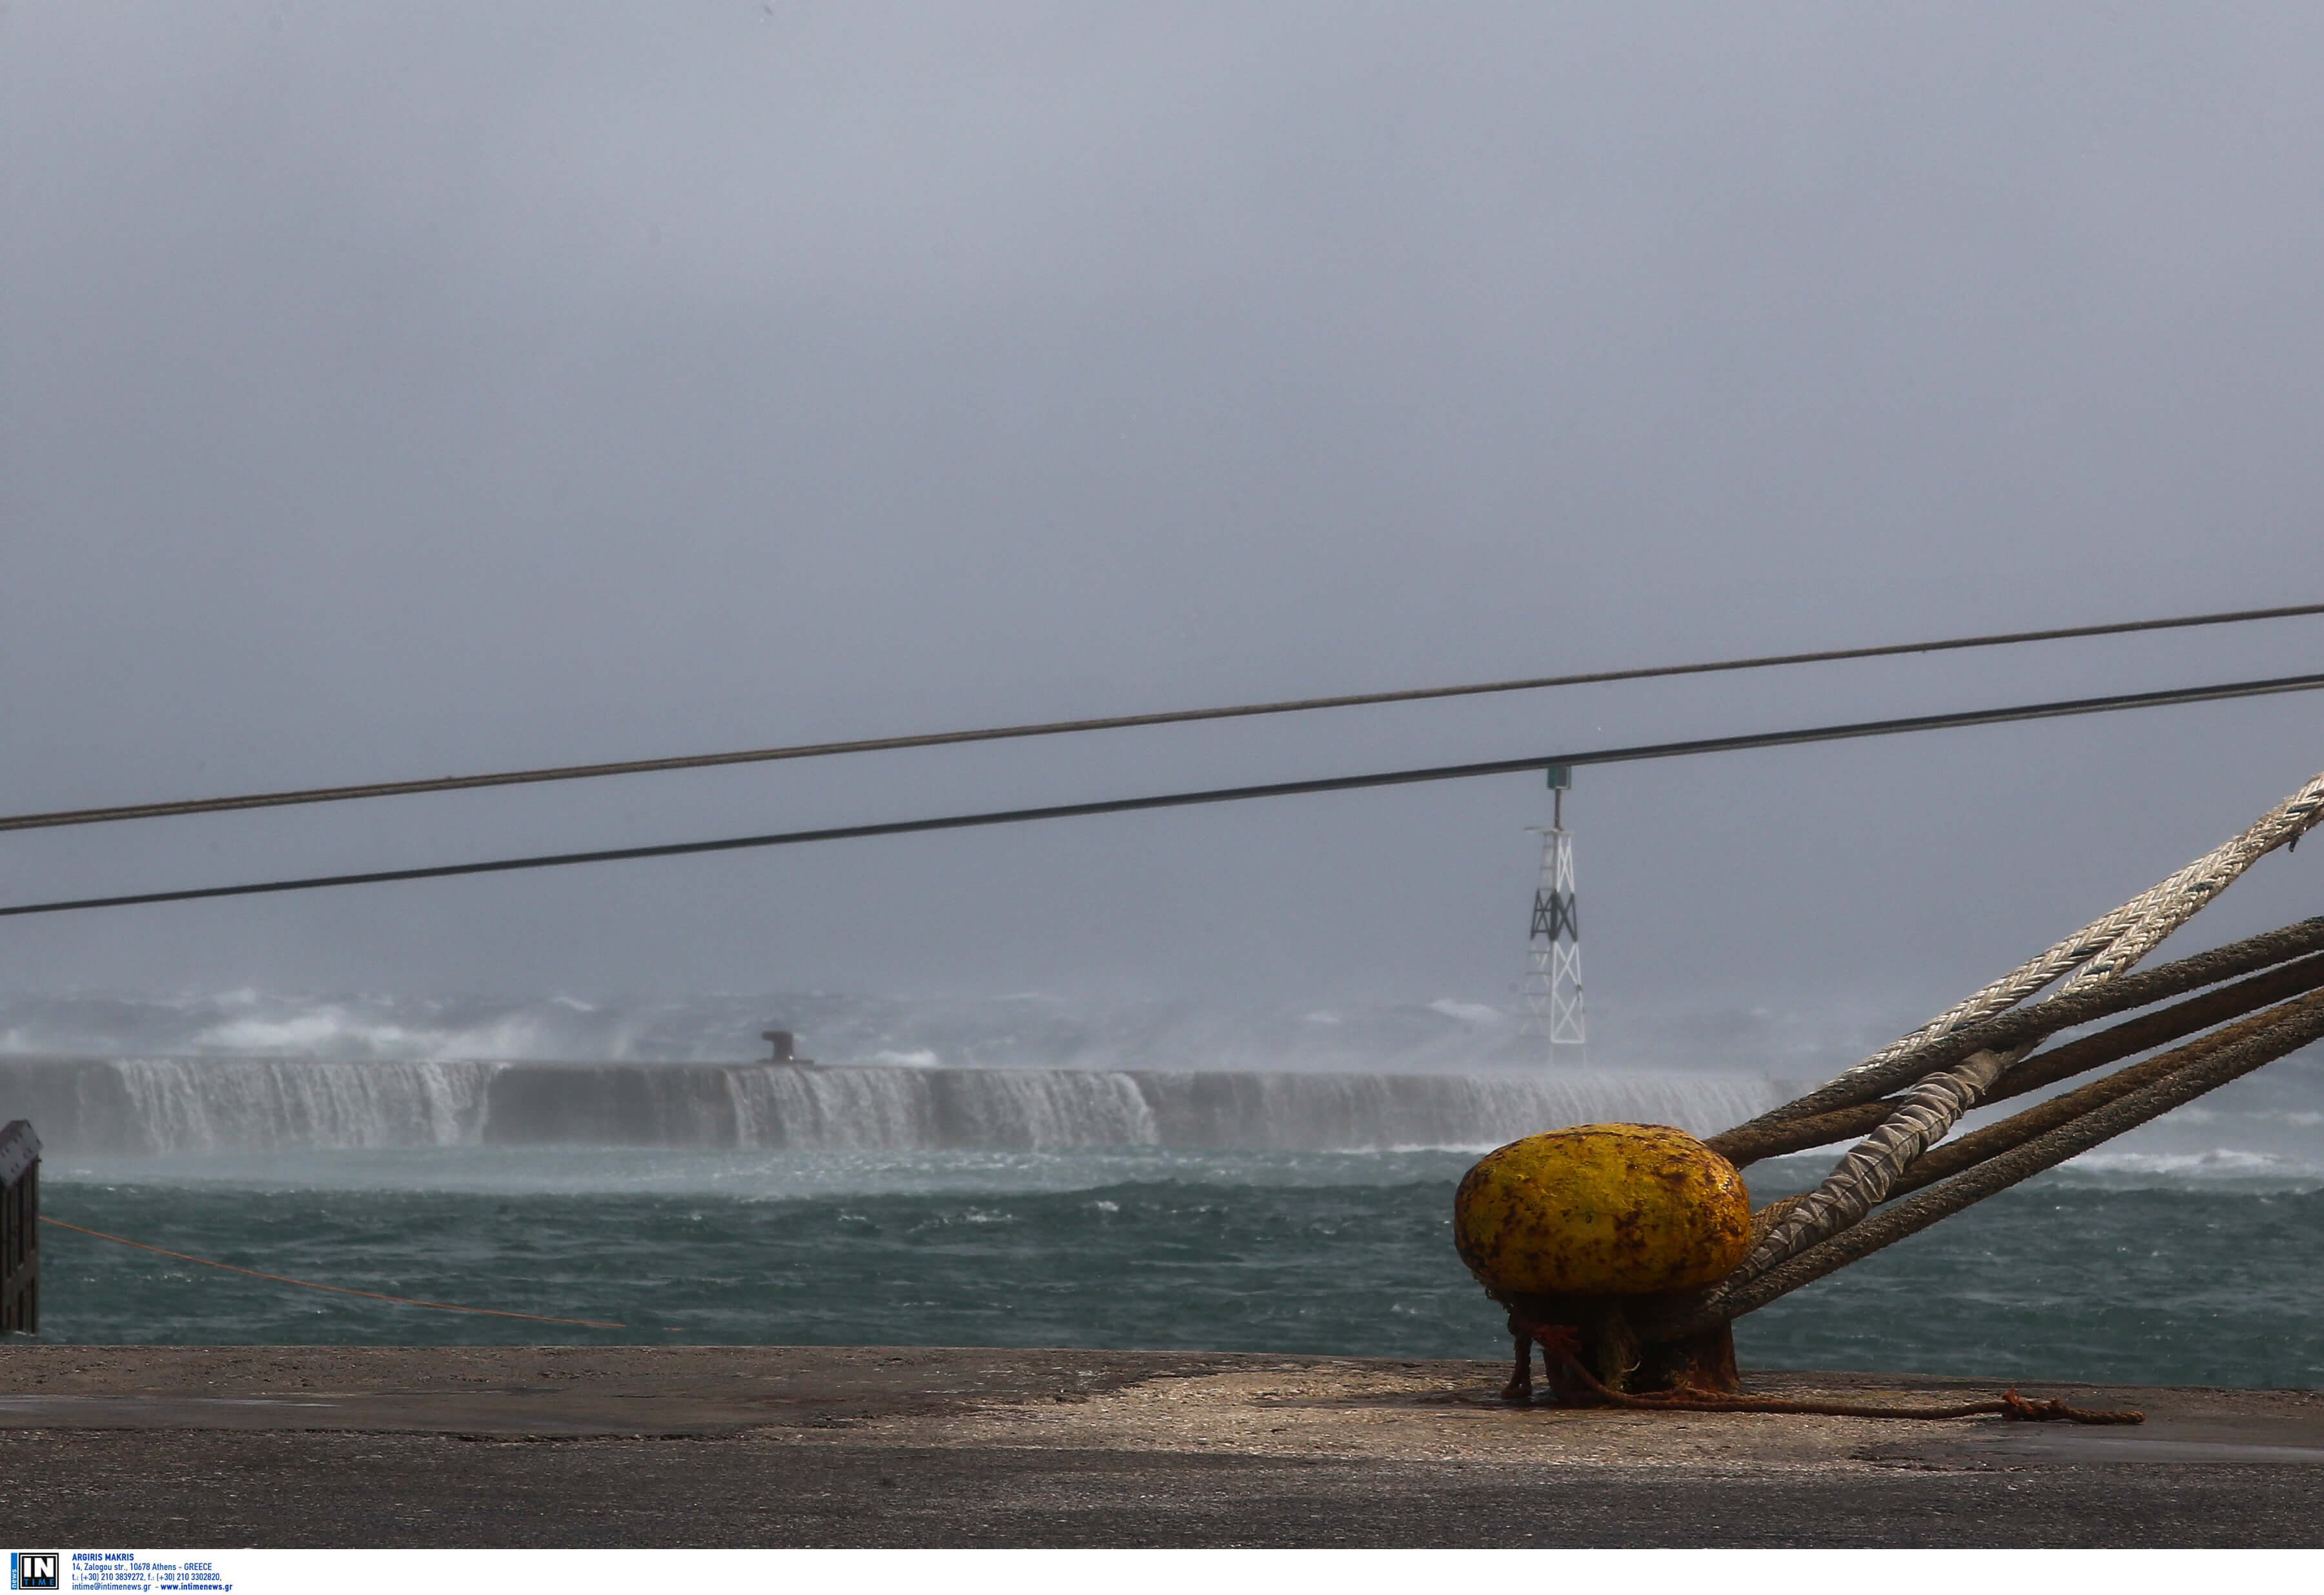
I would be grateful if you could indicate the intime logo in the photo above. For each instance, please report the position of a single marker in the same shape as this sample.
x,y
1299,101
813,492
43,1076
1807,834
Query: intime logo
x,y
32,1570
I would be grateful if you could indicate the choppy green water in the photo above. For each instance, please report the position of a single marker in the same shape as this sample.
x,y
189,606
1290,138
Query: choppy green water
x,y
2132,1279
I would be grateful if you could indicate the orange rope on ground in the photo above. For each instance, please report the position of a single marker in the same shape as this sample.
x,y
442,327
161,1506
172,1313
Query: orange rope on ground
x,y
1563,1345
341,1289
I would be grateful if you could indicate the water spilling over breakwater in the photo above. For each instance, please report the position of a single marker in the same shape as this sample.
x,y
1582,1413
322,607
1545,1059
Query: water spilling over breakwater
x,y
205,1104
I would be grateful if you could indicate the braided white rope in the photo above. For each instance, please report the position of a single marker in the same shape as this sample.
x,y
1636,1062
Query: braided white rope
x,y
2105,948
2302,1022
2112,943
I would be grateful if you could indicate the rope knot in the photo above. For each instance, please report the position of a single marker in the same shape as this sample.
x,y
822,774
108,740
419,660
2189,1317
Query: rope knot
x,y
1559,1340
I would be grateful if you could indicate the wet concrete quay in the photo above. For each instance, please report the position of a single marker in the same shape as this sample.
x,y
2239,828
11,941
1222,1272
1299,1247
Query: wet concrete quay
x,y
773,1446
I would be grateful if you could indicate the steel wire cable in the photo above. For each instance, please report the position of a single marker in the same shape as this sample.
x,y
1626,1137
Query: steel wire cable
x,y
1346,783
575,772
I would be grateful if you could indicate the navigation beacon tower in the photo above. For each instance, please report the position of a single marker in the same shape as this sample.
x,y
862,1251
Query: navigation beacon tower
x,y
1553,982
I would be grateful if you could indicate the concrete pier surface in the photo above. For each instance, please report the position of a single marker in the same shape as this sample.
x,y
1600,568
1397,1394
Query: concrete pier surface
x,y
777,1447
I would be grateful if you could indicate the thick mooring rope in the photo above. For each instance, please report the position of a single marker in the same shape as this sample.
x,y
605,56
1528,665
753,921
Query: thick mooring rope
x,y
2291,1026
2292,979
2107,947
2102,950
2037,1021
1957,1157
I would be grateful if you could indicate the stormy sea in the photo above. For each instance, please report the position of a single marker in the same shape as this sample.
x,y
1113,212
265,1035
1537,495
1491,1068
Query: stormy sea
x,y
1029,1171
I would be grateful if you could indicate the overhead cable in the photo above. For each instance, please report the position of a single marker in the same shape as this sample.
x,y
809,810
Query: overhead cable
x,y
577,772
1343,783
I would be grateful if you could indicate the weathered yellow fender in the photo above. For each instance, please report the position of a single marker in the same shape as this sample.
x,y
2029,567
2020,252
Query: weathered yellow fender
x,y
1601,1210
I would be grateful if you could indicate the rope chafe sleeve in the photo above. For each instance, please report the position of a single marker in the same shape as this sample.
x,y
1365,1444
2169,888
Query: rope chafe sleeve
x,y
1966,1152
1863,1177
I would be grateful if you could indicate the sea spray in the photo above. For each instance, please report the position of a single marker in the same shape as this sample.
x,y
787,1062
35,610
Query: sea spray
x,y
222,1104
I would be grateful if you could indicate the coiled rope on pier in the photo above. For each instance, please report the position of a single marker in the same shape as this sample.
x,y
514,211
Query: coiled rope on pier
x,y
1562,1350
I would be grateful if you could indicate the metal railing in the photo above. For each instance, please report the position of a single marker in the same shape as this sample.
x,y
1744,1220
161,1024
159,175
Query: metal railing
x,y
19,1229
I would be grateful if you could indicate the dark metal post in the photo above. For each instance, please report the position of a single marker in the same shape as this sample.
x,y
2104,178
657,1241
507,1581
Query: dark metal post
x,y
786,1048
19,1229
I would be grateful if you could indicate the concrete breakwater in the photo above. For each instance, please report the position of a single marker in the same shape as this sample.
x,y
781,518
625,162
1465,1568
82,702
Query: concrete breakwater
x,y
165,1105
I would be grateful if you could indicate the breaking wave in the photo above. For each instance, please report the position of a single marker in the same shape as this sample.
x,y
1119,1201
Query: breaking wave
x,y
177,1105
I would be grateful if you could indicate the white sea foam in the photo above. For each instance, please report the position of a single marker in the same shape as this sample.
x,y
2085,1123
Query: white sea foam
x,y
213,1104
1027,1029
1473,1013
2231,1162
2239,1169
1028,1069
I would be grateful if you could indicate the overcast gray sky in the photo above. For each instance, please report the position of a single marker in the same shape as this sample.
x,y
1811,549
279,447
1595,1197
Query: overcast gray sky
x,y
399,390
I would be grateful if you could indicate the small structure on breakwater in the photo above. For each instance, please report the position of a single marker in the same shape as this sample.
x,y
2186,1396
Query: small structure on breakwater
x,y
786,1048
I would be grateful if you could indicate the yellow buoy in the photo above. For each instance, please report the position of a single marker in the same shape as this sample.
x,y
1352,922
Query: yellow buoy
x,y
1601,1210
